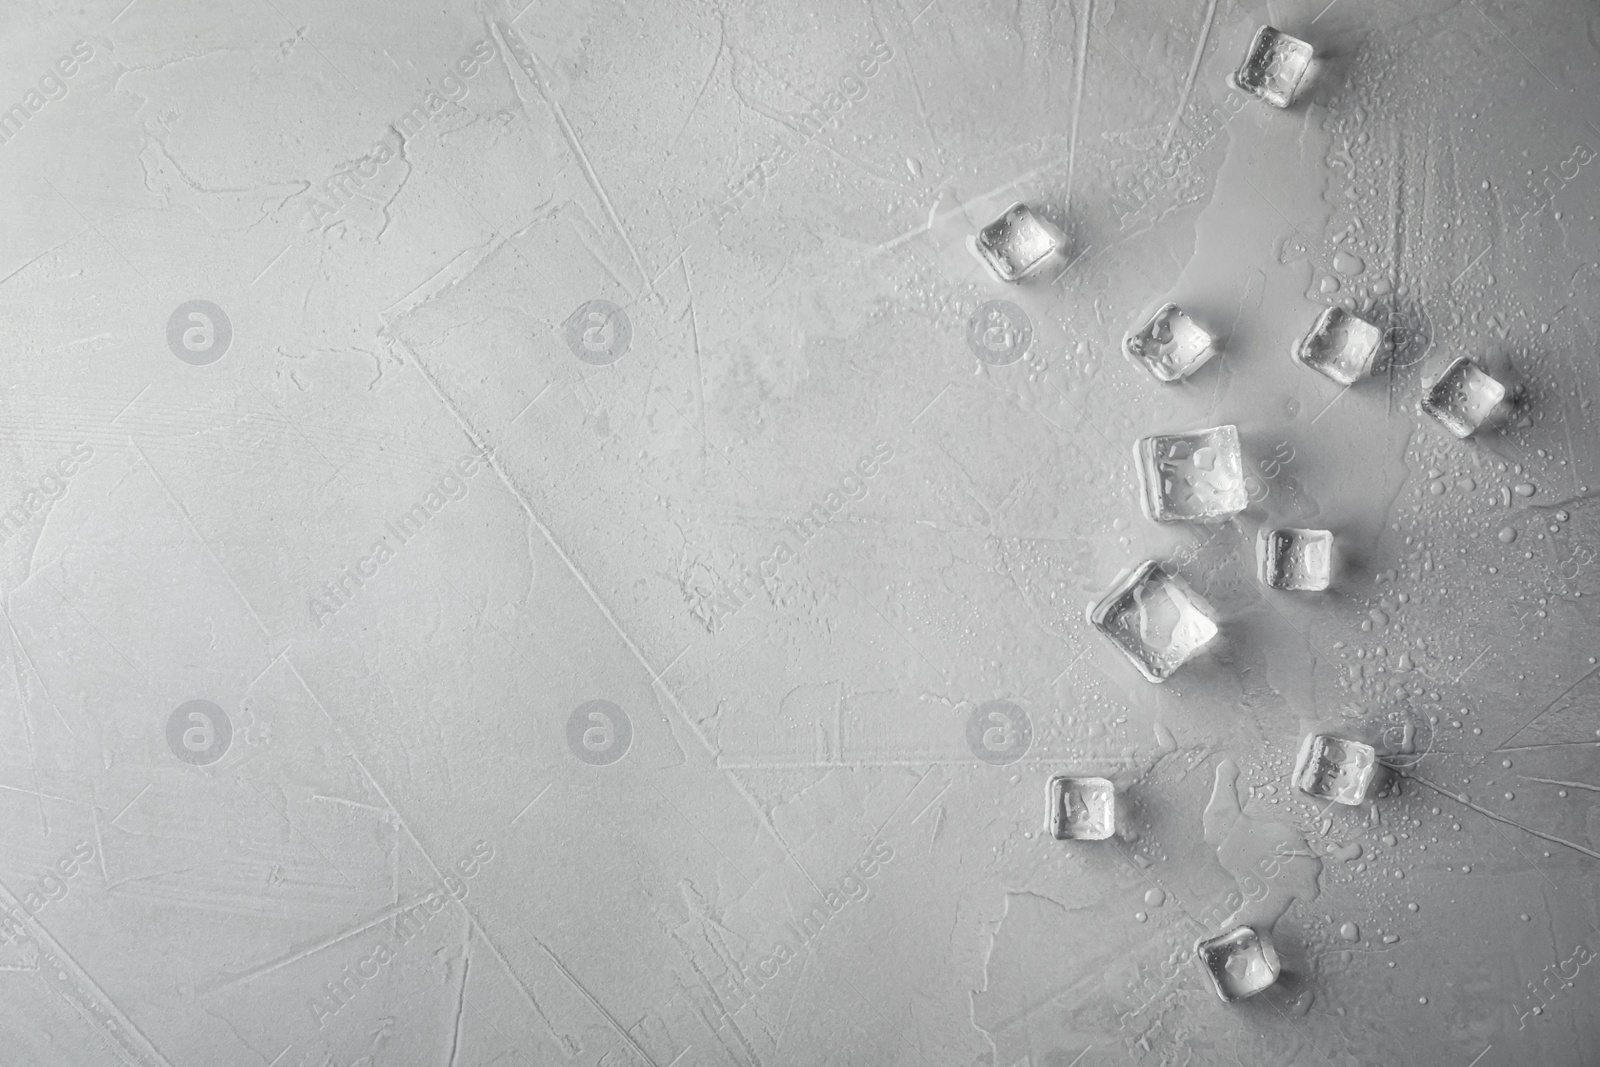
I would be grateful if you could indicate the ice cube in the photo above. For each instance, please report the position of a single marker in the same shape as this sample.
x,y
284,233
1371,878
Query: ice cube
x,y
1341,346
1273,66
1155,618
1464,398
1241,963
1191,476
1017,243
1295,559
1334,768
1170,345
1082,809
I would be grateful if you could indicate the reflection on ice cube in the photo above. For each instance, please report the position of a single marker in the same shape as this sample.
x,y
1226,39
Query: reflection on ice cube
x,y
1336,769
1170,345
1273,66
1295,559
1464,398
1241,963
1017,243
1155,618
1341,346
1082,809
1191,476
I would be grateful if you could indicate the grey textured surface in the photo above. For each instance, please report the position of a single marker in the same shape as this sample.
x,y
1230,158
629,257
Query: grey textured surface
x,y
526,538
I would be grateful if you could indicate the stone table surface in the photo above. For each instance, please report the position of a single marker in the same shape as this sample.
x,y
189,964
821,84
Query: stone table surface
x,y
527,537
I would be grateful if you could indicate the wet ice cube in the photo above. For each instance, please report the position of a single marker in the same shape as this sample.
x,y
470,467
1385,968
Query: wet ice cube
x,y
1334,768
1082,809
1017,243
1295,559
1464,398
1155,618
1191,476
1170,345
1341,346
1241,963
1273,66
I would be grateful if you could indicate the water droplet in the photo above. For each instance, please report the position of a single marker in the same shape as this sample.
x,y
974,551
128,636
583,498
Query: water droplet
x,y
1346,264
1350,932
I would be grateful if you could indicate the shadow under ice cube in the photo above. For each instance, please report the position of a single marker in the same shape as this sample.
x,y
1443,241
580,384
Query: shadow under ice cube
x,y
1241,963
1333,768
1017,243
1155,618
1082,809
1299,560
1465,398
1273,66
1341,346
1170,346
1191,476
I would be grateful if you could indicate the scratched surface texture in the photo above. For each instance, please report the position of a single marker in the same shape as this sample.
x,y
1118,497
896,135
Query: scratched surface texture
x,y
524,541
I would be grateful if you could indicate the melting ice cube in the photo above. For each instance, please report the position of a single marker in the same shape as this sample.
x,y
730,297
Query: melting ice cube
x,y
1342,346
1190,476
1333,768
1155,618
1241,963
1170,346
1017,243
1081,809
1295,559
1464,398
1273,66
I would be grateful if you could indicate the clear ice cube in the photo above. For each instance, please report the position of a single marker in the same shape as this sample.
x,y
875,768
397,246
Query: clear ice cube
x,y
1170,345
1241,963
1336,769
1017,243
1464,398
1300,560
1191,476
1273,66
1341,346
1082,809
1155,618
